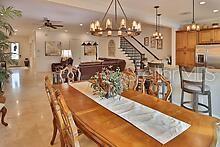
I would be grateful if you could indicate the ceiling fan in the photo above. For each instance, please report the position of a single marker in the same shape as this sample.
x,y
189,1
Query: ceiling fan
x,y
48,23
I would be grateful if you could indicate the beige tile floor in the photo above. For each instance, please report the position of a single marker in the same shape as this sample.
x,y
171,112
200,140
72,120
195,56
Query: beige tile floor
x,y
29,115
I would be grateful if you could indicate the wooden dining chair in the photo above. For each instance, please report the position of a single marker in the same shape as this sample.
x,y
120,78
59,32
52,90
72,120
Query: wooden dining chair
x,y
50,91
129,79
157,81
3,110
68,128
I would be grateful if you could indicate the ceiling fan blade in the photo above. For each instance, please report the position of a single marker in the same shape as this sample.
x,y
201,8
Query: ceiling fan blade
x,y
58,25
53,27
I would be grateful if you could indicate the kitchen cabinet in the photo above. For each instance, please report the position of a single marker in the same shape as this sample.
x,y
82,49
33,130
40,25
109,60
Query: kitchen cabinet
x,y
185,47
209,36
217,35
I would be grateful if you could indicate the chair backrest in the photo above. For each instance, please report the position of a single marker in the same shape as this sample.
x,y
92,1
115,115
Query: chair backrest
x,y
129,79
69,73
157,81
156,67
69,130
199,76
48,88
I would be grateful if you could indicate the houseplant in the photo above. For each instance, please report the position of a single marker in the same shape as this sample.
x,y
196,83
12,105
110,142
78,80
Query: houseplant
x,y
107,83
6,30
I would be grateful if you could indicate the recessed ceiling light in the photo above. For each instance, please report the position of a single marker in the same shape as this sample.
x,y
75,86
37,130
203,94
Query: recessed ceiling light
x,y
215,11
81,24
39,28
202,3
66,31
15,30
15,33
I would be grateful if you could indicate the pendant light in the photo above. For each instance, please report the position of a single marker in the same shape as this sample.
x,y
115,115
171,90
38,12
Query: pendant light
x,y
193,26
109,28
157,35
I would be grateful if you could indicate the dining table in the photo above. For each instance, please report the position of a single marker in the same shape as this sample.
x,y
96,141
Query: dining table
x,y
106,128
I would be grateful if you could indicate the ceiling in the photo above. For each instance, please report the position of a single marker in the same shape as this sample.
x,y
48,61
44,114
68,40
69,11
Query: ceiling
x,y
74,12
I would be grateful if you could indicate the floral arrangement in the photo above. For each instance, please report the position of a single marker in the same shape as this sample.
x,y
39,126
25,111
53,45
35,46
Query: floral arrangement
x,y
107,83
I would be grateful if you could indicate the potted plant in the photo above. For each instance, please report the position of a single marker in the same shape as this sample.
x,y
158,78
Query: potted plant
x,y
108,83
6,30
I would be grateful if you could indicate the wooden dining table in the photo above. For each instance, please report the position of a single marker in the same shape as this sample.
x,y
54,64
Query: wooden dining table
x,y
108,129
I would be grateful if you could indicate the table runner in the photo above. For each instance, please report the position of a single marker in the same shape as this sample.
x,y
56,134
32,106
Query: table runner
x,y
160,126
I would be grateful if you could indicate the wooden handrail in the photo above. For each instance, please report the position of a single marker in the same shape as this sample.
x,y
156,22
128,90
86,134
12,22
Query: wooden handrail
x,y
145,48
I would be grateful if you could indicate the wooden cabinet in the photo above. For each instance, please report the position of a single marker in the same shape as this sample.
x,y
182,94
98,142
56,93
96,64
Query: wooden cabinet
x,y
217,35
206,36
209,36
185,47
181,40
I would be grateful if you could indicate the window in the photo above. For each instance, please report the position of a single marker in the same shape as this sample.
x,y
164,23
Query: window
x,y
15,51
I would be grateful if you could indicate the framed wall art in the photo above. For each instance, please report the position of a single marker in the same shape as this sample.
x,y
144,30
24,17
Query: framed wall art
x,y
89,50
152,42
146,41
160,44
52,48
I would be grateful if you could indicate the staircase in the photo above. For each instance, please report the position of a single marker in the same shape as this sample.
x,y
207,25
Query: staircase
x,y
132,52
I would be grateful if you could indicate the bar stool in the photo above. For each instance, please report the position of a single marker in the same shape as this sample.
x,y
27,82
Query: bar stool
x,y
196,88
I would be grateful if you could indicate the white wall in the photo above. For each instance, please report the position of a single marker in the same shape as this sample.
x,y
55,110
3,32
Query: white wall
x,y
73,40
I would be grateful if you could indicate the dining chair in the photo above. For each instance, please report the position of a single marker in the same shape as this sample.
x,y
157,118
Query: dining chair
x,y
3,110
70,74
68,130
142,75
129,79
193,82
50,91
157,82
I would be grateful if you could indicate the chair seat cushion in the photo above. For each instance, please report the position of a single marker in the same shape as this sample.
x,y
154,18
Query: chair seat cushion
x,y
1,105
197,88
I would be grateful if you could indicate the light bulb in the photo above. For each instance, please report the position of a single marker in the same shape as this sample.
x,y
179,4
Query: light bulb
x,y
188,28
92,27
134,25
97,25
123,23
139,27
119,33
108,24
109,33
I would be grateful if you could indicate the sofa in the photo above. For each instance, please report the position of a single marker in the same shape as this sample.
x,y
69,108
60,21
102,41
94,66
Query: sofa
x,y
88,69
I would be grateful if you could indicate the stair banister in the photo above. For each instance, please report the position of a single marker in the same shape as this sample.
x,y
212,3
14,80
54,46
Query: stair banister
x,y
145,48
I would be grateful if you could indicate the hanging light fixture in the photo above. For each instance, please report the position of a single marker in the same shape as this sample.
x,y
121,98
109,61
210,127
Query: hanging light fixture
x,y
193,26
157,35
110,28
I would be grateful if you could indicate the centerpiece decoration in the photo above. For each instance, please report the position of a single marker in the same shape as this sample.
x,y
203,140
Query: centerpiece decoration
x,y
107,83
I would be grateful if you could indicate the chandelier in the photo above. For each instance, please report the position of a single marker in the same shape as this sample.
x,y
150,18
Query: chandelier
x,y
157,35
110,28
193,26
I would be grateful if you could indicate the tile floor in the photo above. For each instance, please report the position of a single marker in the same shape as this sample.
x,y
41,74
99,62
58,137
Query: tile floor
x,y
29,115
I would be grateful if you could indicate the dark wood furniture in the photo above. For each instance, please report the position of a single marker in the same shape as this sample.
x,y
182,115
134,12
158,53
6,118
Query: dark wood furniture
x,y
89,69
3,110
195,88
108,129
